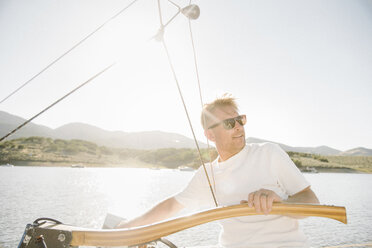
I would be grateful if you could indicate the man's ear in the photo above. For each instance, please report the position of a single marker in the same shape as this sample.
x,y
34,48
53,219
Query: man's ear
x,y
210,135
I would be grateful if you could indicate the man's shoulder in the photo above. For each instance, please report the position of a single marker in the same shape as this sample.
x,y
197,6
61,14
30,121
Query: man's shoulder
x,y
208,165
262,147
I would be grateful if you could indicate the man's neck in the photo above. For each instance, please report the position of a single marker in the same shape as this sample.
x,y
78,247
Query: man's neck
x,y
223,156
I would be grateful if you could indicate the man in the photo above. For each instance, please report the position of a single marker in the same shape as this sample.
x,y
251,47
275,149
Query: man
x,y
258,174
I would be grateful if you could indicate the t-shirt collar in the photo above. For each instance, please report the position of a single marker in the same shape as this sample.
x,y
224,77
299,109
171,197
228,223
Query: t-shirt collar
x,y
231,160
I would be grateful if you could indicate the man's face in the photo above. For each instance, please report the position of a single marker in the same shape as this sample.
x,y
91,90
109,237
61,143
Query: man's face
x,y
228,142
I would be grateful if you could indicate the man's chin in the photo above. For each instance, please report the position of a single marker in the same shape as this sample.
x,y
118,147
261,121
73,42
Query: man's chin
x,y
239,142
239,139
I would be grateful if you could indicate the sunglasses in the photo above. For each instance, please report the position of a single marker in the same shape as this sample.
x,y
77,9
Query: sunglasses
x,y
230,123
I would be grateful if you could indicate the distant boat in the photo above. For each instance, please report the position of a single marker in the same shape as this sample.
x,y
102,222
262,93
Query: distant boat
x,y
185,168
310,169
7,165
77,166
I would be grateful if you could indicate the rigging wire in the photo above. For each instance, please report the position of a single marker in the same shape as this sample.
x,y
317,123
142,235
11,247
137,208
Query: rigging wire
x,y
68,51
188,118
201,101
184,105
81,85
160,15
160,34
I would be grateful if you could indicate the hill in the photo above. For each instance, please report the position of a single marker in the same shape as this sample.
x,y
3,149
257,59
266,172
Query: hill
x,y
57,152
8,122
119,139
139,140
322,150
81,131
359,151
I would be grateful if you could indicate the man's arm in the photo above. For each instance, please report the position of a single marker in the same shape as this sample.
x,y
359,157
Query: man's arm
x,y
159,212
304,196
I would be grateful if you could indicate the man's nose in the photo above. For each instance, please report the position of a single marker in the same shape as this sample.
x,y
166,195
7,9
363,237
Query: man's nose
x,y
237,125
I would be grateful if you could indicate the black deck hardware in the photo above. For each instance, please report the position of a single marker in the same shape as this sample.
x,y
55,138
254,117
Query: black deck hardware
x,y
40,234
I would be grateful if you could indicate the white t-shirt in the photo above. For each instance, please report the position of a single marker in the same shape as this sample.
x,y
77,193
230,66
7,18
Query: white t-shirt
x,y
256,166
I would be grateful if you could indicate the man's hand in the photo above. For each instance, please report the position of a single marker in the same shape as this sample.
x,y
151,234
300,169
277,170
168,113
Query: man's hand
x,y
262,200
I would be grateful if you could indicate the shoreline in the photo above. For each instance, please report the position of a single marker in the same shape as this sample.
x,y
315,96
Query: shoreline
x,y
138,164
124,164
39,151
335,170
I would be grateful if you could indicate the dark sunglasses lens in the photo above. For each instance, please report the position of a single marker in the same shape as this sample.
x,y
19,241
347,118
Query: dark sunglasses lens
x,y
229,123
241,120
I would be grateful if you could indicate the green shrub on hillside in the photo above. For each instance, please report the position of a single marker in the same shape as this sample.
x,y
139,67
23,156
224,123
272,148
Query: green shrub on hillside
x,y
105,151
34,140
78,151
51,148
298,163
169,157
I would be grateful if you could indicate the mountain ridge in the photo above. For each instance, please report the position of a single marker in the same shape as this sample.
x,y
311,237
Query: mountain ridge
x,y
323,150
139,140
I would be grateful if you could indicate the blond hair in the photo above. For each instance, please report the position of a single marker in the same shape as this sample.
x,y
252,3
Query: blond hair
x,y
207,115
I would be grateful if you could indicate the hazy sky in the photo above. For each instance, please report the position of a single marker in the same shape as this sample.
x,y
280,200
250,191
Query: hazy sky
x,y
301,70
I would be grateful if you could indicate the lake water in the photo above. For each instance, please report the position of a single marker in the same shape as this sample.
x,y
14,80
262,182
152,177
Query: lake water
x,y
83,196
